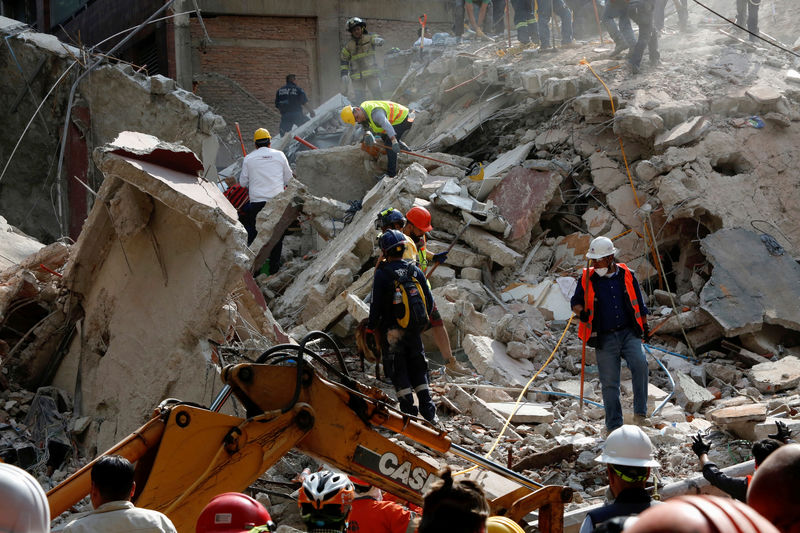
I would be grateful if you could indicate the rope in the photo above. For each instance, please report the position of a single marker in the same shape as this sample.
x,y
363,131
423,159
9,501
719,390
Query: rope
x,y
650,238
518,403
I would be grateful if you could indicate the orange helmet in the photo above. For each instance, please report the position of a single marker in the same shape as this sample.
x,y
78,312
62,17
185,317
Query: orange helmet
x,y
420,217
233,512
325,499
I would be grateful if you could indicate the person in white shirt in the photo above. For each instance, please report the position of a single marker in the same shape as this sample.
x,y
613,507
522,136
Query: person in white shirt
x,y
111,492
265,172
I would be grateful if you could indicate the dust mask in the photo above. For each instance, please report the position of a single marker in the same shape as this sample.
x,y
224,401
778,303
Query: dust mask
x,y
601,271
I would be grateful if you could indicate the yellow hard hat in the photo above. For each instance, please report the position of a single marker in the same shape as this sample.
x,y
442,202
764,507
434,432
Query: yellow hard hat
x,y
347,115
502,524
261,134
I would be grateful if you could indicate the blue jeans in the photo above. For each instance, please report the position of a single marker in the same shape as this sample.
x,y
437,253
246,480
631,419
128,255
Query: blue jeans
x,y
611,349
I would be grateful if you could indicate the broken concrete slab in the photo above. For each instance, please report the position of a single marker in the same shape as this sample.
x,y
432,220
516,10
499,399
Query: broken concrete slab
x,y
545,295
479,410
490,360
742,292
15,245
550,457
637,123
606,174
689,395
174,240
521,198
754,412
327,111
477,238
595,107
777,375
687,320
684,133
525,413
456,126
497,168
766,428
344,173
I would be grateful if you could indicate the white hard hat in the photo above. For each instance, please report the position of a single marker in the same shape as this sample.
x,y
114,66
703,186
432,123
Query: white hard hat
x,y
628,446
23,503
600,247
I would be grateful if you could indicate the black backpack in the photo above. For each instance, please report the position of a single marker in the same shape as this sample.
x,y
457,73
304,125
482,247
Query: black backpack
x,y
408,303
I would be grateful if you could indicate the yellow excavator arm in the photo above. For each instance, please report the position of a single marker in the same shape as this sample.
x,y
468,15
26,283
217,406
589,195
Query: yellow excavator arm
x,y
187,454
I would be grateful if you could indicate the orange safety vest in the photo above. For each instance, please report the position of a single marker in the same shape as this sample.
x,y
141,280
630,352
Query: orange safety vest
x,y
585,328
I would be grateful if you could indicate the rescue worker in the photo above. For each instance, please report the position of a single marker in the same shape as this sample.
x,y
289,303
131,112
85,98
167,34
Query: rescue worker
x,y
747,16
736,487
775,489
372,514
325,500
458,19
477,26
385,118
23,503
545,10
613,319
234,512
454,505
358,61
700,514
392,218
628,456
111,491
290,101
525,22
641,12
266,173
682,7
623,35
403,353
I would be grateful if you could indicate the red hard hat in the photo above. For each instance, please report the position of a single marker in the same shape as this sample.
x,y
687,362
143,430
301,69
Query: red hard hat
x,y
420,217
232,512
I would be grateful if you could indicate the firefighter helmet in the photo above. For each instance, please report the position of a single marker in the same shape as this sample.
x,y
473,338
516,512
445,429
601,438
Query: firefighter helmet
x,y
354,23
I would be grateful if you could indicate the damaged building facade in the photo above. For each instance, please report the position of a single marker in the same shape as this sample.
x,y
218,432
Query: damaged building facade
x,y
689,167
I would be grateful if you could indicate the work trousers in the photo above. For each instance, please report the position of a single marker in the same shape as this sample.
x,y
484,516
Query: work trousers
x,y
368,88
611,349
291,119
525,21
548,8
247,216
642,15
458,18
405,364
747,11
622,34
659,13
399,130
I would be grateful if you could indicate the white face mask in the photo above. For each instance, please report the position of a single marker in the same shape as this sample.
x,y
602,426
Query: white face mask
x,y
601,271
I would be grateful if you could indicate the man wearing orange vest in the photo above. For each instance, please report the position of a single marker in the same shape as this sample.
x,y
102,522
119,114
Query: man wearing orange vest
x,y
612,315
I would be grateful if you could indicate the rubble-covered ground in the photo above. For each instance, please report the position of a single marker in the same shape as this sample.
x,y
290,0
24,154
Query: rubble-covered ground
x,y
694,176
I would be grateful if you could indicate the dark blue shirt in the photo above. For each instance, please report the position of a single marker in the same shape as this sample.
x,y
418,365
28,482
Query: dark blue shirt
x,y
612,309
381,314
290,98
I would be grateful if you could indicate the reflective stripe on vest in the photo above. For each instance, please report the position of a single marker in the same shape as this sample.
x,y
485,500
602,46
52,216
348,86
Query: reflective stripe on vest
x,y
395,113
585,328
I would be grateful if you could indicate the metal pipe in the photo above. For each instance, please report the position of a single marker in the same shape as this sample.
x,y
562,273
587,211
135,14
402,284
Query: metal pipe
x,y
305,142
494,467
669,376
221,398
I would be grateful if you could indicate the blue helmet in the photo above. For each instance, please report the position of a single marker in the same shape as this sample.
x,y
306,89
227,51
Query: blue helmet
x,y
392,238
389,217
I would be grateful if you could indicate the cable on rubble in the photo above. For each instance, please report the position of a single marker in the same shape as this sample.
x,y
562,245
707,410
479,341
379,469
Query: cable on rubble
x,y
518,404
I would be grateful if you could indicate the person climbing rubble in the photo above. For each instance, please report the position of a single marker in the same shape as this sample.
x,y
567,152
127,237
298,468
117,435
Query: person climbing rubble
x,y
234,512
111,492
358,62
325,500
290,101
400,309
736,487
775,489
265,172
372,514
387,119
641,12
622,34
544,12
392,218
612,313
628,456
23,503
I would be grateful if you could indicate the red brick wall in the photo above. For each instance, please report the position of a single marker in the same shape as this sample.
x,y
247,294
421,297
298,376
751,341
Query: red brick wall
x,y
239,79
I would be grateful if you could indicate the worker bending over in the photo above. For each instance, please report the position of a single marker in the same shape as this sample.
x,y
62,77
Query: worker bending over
x,y
387,119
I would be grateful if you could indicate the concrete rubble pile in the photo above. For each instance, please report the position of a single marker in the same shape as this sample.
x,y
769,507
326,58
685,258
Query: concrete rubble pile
x,y
699,203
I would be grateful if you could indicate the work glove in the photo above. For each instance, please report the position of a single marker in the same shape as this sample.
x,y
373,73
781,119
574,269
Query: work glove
x,y
378,41
583,316
699,446
396,147
369,139
404,146
441,257
783,432
646,334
